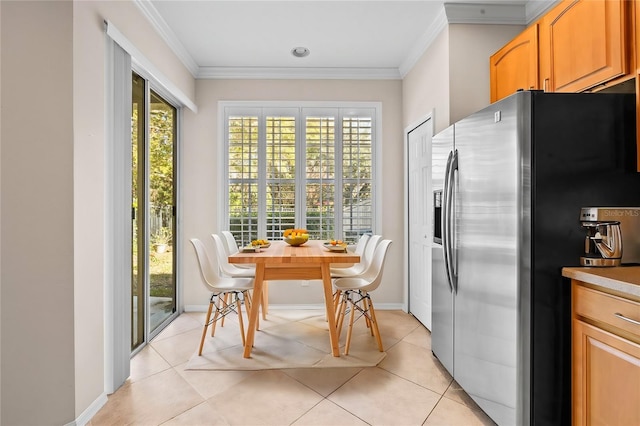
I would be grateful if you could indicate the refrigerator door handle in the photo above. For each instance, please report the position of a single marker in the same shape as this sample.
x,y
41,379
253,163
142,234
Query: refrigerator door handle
x,y
445,220
451,218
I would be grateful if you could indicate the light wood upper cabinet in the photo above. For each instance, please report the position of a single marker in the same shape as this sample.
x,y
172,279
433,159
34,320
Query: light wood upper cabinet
x,y
636,25
583,43
515,66
635,31
605,358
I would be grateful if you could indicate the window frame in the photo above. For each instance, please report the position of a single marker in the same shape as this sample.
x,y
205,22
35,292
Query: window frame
x,y
258,108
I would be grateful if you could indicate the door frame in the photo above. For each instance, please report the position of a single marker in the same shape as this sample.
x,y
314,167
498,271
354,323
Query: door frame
x,y
152,85
407,130
117,259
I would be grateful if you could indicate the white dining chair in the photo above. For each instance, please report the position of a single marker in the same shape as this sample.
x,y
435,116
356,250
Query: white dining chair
x,y
368,247
356,293
362,243
231,243
235,271
232,248
351,271
229,269
219,287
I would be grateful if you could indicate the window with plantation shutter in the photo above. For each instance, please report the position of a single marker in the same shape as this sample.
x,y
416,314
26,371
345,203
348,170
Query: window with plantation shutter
x,y
280,176
299,167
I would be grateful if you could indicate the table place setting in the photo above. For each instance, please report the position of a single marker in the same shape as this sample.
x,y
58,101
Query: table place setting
x,y
336,246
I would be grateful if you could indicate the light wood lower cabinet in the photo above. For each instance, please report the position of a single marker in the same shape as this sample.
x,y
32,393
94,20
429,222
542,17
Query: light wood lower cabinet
x,y
605,358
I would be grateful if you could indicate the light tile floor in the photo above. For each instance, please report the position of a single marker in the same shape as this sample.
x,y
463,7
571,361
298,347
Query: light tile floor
x,y
409,387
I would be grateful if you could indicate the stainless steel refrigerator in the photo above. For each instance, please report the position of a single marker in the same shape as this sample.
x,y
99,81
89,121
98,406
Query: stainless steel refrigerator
x,y
509,182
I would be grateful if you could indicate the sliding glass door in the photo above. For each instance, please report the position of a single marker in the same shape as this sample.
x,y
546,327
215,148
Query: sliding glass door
x,y
153,150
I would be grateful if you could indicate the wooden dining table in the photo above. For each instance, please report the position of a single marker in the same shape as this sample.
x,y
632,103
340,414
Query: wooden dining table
x,y
280,261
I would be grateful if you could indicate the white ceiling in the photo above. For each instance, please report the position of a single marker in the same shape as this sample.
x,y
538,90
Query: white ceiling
x,y
347,39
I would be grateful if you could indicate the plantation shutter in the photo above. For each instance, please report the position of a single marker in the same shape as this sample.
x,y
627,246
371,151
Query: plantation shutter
x,y
299,167
357,161
280,175
320,177
243,176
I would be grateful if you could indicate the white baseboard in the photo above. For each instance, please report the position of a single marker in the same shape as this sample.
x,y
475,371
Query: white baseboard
x,y
378,306
91,411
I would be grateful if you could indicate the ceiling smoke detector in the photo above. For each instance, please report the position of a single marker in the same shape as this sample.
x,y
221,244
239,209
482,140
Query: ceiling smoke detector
x,y
300,52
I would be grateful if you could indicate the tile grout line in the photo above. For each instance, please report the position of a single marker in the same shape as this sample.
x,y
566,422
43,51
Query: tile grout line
x,y
438,402
323,398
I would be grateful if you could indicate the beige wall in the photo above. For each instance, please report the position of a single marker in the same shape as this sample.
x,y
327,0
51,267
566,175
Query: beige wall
x,y
470,47
52,173
425,88
89,169
37,213
452,77
0,217
200,176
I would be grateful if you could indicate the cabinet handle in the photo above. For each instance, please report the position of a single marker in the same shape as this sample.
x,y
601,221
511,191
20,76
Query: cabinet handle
x,y
545,84
622,317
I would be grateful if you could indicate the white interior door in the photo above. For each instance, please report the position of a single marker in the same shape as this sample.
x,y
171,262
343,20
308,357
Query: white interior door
x,y
419,220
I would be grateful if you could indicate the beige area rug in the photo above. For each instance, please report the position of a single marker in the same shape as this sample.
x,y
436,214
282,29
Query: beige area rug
x,y
287,339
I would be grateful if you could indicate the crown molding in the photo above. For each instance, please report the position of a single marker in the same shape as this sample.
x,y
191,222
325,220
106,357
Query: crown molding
x,y
474,13
145,67
478,13
167,34
276,73
423,43
534,9
498,14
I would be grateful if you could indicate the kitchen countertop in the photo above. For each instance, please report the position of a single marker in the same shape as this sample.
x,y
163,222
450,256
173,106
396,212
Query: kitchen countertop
x,y
621,279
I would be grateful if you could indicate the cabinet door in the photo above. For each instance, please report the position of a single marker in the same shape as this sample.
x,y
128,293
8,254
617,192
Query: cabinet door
x,y
636,8
515,66
585,44
606,377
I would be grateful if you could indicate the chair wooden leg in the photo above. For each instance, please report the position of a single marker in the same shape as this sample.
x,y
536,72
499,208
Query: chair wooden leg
x,y
247,300
374,326
366,303
240,320
350,329
338,309
206,324
341,314
226,302
215,316
336,305
336,300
